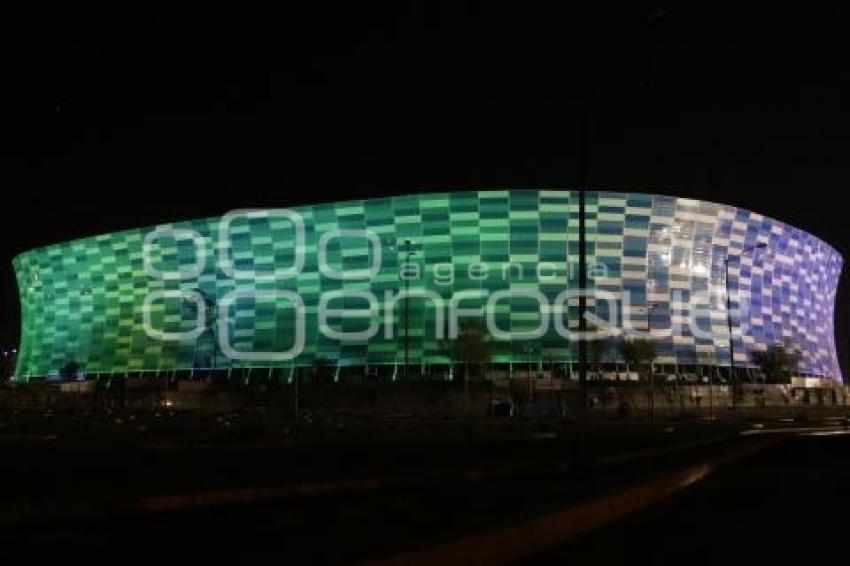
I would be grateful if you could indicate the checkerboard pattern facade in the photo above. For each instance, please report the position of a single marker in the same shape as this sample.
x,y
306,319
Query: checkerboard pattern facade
x,y
85,300
670,254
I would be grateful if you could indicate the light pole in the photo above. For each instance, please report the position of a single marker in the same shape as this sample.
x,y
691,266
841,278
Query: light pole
x,y
729,314
407,248
649,308
583,160
295,391
710,397
529,350
585,98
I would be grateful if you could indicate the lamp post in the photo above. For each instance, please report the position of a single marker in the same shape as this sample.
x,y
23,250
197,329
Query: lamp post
x,y
529,350
408,249
585,99
729,314
295,391
710,397
583,161
649,308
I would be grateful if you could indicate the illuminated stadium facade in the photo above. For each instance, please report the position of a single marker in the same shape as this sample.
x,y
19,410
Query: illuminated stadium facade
x,y
285,288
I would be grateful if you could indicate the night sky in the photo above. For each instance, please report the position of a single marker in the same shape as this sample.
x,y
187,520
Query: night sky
x,y
112,121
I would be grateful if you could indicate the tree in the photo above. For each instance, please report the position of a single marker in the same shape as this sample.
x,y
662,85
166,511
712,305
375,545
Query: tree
x,y
209,333
637,352
778,363
471,347
69,370
8,367
323,371
597,352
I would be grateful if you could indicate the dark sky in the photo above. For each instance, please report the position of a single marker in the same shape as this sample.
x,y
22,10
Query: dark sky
x,y
113,121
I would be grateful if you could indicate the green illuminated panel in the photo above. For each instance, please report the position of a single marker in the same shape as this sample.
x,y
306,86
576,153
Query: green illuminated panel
x,y
84,300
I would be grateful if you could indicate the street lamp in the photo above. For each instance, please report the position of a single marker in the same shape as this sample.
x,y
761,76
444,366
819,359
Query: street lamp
x,y
746,249
529,350
650,307
408,249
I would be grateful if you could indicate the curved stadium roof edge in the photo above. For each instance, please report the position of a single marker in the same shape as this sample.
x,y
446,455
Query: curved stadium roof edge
x,y
84,299
648,192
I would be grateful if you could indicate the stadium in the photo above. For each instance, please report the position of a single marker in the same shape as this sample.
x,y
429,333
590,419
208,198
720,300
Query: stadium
x,y
380,286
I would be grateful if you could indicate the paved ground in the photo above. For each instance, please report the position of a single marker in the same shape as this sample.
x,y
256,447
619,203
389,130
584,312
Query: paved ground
x,y
787,504
52,458
768,502
331,529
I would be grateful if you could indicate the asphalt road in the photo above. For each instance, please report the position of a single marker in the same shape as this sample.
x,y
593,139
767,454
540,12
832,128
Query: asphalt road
x,y
786,501
788,504
72,458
